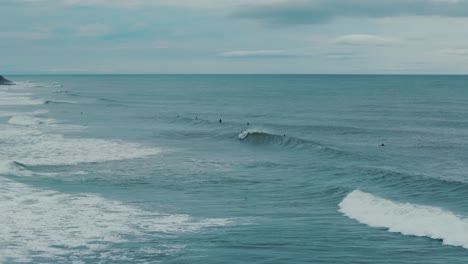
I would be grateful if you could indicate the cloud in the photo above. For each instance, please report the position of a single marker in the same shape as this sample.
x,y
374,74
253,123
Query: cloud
x,y
366,40
24,35
341,56
322,11
117,3
93,30
261,54
458,52
206,4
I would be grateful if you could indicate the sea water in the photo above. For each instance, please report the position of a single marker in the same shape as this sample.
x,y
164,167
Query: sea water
x,y
234,169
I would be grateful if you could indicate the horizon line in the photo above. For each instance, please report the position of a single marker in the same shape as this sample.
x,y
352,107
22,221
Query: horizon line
x,y
350,74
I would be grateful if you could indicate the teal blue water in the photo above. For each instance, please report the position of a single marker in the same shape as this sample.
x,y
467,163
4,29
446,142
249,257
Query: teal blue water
x,y
139,169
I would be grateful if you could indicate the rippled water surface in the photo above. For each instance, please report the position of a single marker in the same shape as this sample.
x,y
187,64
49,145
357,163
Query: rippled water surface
x,y
234,169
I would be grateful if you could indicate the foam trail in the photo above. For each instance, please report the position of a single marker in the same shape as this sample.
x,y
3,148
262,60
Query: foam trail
x,y
406,218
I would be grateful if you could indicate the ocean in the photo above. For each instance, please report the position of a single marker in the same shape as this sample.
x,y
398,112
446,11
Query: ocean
x,y
234,169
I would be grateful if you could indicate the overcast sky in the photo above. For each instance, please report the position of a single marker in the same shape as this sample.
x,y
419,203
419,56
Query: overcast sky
x,y
235,36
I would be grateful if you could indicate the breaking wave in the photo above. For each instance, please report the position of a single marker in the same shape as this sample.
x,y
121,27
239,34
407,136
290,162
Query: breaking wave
x,y
406,218
261,137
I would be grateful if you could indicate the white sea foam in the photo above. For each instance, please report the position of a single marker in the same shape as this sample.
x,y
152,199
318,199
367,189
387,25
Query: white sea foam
x,y
34,140
50,224
38,223
29,120
406,218
40,112
11,114
32,147
8,99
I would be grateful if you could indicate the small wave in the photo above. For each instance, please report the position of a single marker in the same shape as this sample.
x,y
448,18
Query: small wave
x,y
20,169
406,218
66,92
57,102
62,91
109,100
15,168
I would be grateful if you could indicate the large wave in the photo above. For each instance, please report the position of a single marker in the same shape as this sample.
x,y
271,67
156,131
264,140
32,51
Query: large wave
x,y
258,137
262,137
406,218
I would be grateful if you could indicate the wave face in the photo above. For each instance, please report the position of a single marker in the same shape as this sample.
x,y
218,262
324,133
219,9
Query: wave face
x,y
406,218
261,137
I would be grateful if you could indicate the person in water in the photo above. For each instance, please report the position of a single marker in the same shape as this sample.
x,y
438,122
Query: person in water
x,y
220,121
382,145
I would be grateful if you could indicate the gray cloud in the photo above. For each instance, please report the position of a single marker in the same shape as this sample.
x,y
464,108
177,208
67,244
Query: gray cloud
x,y
366,40
261,54
322,11
456,52
342,56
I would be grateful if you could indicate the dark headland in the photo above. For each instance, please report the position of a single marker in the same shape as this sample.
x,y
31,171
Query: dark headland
x,y
4,81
